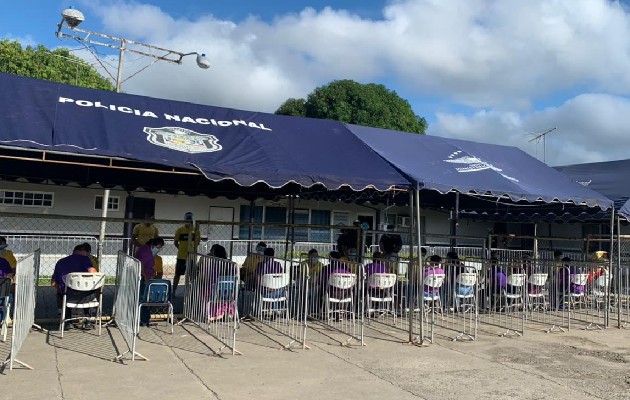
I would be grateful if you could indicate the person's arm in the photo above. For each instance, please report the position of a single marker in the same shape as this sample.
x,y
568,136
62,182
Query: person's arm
x,y
92,270
134,236
176,238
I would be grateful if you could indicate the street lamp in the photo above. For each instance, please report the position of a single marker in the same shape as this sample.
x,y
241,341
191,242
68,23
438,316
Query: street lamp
x,y
71,18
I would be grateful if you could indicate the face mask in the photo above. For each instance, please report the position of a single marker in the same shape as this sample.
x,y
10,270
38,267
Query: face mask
x,y
314,260
3,246
155,250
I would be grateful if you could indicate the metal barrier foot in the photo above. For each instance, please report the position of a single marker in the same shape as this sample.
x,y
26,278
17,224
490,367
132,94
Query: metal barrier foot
x,y
8,362
463,337
555,328
511,333
133,356
593,327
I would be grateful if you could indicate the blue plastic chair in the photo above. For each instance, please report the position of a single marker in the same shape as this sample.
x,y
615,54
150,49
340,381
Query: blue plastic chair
x,y
157,293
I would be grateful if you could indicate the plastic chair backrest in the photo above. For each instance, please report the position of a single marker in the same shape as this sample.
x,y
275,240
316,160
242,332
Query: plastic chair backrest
x,y
84,281
274,281
225,283
342,280
477,265
382,281
5,287
466,279
434,280
401,268
516,279
579,279
157,291
538,279
603,281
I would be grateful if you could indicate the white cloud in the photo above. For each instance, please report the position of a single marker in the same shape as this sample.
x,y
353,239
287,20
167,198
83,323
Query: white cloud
x,y
589,128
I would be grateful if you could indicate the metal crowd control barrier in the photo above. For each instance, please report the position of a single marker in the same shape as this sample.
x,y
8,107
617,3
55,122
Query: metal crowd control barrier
x,y
277,291
210,299
621,297
127,299
503,296
337,294
24,305
458,297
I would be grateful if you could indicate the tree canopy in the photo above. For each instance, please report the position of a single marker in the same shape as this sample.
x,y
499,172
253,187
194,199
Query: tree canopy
x,y
355,103
57,65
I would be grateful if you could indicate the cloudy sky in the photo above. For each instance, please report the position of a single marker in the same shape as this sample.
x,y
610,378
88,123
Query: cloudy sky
x,y
490,71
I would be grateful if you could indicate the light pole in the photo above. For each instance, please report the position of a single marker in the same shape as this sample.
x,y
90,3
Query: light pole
x,y
71,18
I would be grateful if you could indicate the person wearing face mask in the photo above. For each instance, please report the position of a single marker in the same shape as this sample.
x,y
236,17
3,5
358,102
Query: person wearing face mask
x,y
6,253
186,240
146,255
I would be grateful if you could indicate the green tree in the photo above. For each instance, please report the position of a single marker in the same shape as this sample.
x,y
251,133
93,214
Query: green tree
x,y
57,65
355,103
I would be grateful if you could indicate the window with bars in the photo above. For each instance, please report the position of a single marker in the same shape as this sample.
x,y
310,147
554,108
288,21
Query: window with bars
x,y
26,198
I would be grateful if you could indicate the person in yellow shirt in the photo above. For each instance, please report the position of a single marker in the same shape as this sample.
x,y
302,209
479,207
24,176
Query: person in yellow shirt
x,y
6,253
251,261
88,250
145,231
185,243
158,267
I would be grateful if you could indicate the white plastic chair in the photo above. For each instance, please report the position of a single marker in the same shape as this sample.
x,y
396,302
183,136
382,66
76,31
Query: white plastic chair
x,y
537,298
340,291
514,298
600,288
273,284
465,301
432,281
577,298
82,282
380,290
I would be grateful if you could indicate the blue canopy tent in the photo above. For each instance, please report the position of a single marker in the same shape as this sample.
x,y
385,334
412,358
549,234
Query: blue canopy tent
x,y
88,136
609,178
498,182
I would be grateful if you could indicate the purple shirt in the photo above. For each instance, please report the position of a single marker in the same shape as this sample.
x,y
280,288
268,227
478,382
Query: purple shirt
x,y
72,263
5,268
375,268
268,267
145,256
437,270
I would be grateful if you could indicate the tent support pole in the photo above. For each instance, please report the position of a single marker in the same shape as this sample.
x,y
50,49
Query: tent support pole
x,y
101,236
251,227
618,272
610,262
535,241
416,266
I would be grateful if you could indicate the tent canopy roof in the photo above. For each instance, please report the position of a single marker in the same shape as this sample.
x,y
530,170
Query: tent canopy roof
x,y
446,165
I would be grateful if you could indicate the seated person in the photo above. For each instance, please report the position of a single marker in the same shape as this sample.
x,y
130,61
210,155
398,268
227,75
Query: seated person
x,y
146,255
7,254
219,295
377,266
433,268
88,250
249,265
314,265
269,265
78,261
566,276
5,273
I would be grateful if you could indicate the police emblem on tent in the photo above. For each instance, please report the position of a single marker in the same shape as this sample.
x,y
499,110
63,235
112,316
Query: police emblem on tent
x,y
182,139
473,164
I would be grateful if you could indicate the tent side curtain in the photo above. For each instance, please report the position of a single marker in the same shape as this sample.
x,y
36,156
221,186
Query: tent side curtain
x,y
609,178
224,144
445,165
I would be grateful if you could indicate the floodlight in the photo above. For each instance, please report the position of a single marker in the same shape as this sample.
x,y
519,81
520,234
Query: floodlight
x,y
202,61
72,17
